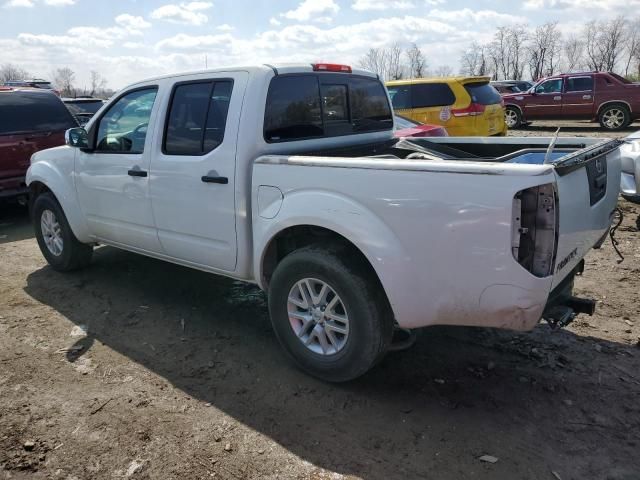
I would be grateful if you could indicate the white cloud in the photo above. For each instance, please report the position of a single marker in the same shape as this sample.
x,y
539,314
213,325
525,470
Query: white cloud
x,y
312,9
466,15
59,3
225,27
362,5
132,23
186,13
608,5
19,3
275,22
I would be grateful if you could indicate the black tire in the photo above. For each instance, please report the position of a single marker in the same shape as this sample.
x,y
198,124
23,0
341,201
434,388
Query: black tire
x,y
74,254
516,116
612,110
370,318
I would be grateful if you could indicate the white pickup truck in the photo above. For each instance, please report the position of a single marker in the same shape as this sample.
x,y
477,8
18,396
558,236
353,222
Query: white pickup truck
x,y
289,177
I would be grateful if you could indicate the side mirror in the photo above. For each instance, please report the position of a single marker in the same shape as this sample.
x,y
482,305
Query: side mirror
x,y
77,138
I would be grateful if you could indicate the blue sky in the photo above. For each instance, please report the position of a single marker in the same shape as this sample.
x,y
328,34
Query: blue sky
x,y
127,40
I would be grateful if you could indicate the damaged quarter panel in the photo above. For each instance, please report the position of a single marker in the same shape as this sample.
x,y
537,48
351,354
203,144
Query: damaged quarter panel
x,y
442,256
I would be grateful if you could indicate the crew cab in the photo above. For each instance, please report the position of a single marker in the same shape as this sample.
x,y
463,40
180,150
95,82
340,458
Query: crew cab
x,y
289,177
597,96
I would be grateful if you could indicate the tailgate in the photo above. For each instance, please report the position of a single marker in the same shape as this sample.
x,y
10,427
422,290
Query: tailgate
x,y
588,184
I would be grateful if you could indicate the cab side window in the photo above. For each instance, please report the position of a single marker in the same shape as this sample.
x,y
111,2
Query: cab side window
x,y
579,84
550,86
197,117
123,128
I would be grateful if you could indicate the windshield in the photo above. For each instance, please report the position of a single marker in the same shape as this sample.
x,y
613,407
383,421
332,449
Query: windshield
x,y
79,108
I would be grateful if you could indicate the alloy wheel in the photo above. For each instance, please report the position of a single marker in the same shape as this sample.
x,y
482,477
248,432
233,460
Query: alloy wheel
x,y
51,232
318,316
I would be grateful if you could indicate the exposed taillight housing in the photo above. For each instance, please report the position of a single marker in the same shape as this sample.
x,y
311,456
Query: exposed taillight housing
x,y
535,229
331,67
472,110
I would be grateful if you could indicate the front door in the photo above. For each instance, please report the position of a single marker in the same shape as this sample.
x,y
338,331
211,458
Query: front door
x,y
112,180
577,100
193,171
546,100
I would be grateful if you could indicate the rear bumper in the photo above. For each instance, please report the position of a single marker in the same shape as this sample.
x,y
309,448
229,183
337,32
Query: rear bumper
x,y
13,187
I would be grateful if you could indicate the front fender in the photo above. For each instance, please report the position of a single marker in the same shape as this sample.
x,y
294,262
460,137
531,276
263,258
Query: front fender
x,y
348,218
54,169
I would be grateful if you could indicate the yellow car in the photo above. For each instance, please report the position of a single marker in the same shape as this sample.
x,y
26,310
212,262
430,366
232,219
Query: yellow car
x,y
466,106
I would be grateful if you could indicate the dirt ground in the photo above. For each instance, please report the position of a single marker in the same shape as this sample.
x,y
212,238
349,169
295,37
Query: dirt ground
x,y
143,369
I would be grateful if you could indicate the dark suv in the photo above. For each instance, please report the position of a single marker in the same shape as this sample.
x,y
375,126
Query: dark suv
x,y
30,120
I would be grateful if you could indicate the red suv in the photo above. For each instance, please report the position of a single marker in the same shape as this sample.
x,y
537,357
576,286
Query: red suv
x,y
30,120
597,96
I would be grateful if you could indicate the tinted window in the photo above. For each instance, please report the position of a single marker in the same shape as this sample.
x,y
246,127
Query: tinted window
x,y
123,129
369,105
400,96
197,117
293,108
483,93
334,103
217,116
579,84
431,95
550,86
33,112
307,106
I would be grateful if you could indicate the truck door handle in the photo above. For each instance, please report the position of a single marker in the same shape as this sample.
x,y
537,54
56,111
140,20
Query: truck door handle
x,y
586,97
557,97
210,179
137,173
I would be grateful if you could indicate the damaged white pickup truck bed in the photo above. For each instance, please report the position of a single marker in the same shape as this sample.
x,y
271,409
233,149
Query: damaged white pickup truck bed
x,y
289,177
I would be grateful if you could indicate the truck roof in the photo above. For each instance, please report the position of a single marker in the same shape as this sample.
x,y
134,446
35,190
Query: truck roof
x,y
277,68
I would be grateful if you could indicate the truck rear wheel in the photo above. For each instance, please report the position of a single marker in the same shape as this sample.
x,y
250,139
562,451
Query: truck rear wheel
x,y
56,240
330,315
614,117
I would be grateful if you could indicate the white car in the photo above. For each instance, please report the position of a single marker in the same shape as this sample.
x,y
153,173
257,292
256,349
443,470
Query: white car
x,y
630,153
290,177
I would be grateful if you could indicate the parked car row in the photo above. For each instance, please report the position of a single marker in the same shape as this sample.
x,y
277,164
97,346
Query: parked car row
x,y
597,96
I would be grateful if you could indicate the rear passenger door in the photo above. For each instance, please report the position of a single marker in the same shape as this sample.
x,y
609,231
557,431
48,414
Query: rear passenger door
x,y
577,100
193,171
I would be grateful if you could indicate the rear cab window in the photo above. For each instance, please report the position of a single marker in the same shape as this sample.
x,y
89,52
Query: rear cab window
x,y
483,93
301,106
25,112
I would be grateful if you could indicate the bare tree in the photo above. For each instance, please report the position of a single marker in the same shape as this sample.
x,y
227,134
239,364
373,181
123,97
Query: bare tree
x,y
443,71
574,54
386,62
474,60
544,50
98,83
417,63
603,43
516,40
395,68
63,79
632,45
10,72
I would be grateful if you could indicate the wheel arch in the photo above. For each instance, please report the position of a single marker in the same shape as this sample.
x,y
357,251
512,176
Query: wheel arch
x,y
42,178
613,102
516,106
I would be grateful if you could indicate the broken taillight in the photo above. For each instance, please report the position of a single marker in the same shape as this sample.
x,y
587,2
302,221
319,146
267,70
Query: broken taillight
x,y
535,228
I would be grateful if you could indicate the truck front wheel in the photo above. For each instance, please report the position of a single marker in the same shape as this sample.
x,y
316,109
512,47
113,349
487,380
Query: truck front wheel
x,y
56,240
330,315
614,117
512,117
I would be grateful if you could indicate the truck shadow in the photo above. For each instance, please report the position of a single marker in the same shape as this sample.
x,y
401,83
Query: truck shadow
x,y
15,224
522,397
